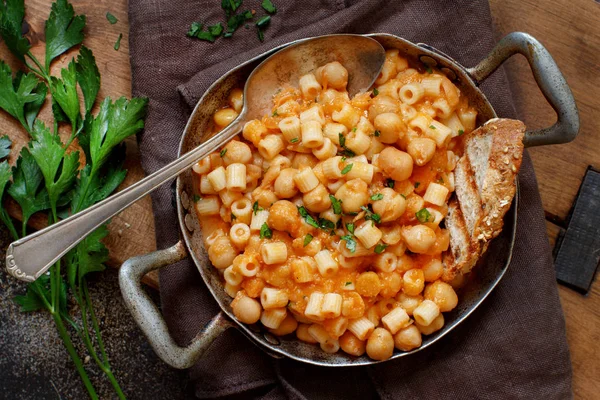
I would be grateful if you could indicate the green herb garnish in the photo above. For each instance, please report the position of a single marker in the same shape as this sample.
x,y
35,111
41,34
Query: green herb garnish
x,y
294,140
350,243
431,127
223,152
389,182
429,70
336,204
347,169
196,198
423,215
118,42
403,196
307,217
261,25
417,184
350,227
370,215
460,132
233,217
347,152
380,248
307,239
377,196
111,18
275,114
265,231
354,129
348,284
375,92
326,224
256,208
269,7
377,133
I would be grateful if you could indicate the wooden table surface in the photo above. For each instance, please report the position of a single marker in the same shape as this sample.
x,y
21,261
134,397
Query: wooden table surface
x,y
570,29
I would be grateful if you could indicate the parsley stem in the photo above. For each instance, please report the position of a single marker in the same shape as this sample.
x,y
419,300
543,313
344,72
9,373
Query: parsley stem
x,y
9,223
64,335
42,71
95,324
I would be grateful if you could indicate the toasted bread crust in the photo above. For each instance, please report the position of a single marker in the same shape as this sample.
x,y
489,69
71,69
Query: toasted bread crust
x,y
485,186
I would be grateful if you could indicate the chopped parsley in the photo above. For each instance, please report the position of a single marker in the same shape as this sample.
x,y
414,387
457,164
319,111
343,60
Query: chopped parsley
x,y
275,114
431,127
326,224
347,152
376,197
440,180
111,18
197,31
265,231
350,227
417,184
255,207
390,183
429,70
223,152
354,129
377,133
375,92
233,217
294,140
350,243
348,284
197,198
423,215
307,217
370,215
307,239
118,42
403,196
336,204
261,24
269,7
380,248
342,139
347,169
460,132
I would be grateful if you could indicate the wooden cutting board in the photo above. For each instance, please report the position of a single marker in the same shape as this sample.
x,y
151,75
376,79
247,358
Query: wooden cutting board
x,y
132,231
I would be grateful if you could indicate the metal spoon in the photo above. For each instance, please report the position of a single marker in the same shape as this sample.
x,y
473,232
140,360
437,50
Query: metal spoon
x,y
28,258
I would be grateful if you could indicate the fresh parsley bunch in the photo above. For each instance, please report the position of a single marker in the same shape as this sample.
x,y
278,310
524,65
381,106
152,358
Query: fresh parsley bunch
x,y
49,177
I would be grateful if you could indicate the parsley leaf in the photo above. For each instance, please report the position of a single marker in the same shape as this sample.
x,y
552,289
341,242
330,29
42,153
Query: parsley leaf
x,y
64,92
5,175
348,284
11,21
269,7
347,169
326,224
50,156
380,248
336,204
431,127
88,77
389,182
342,140
235,21
429,70
307,239
460,132
307,217
423,215
230,6
64,30
261,25
91,255
347,152
5,144
216,29
232,216
417,184
111,18
255,207
377,134
16,94
223,152
265,231
375,92
377,196
118,42
350,243
37,295
195,28
294,140
350,227
26,188
370,215
197,198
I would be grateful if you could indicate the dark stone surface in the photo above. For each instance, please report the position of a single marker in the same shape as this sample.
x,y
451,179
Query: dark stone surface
x,y
35,365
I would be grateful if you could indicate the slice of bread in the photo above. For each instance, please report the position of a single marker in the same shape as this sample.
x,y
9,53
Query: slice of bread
x,y
484,189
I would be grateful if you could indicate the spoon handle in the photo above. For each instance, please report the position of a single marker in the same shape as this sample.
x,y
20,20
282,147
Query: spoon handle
x,y
28,258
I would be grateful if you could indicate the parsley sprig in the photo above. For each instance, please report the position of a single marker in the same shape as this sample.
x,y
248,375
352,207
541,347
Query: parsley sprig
x,y
47,176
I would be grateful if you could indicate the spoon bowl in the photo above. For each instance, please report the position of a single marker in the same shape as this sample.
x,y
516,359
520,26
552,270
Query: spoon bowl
x,y
28,258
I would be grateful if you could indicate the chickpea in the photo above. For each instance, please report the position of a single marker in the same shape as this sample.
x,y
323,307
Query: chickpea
x,y
333,75
287,326
246,309
225,116
383,104
353,194
236,99
409,303
368,284
408,338
391,207
418,238
421,150
352,345
284,216
221,253
433,270
396,163
441,294
380,345
237,152
353,306
390,127
414,282
284,186
317,200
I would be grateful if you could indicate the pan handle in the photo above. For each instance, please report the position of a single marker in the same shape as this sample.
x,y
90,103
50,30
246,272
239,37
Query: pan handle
x,y
549,79
149,318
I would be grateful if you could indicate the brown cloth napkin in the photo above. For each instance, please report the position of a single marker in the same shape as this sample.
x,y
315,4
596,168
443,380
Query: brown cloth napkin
x,y
513,346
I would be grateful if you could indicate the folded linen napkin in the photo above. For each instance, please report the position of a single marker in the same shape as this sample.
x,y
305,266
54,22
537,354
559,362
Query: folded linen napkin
x,y
513,346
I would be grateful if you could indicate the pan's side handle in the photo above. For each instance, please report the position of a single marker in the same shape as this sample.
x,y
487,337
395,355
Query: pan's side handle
x,y
149,318
549,79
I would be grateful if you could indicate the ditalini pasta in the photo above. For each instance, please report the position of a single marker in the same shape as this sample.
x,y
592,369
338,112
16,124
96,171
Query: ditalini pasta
x,y
325,217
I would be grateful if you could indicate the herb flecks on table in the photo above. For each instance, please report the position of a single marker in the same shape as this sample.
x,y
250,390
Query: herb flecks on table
x,y
49,177
233,21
